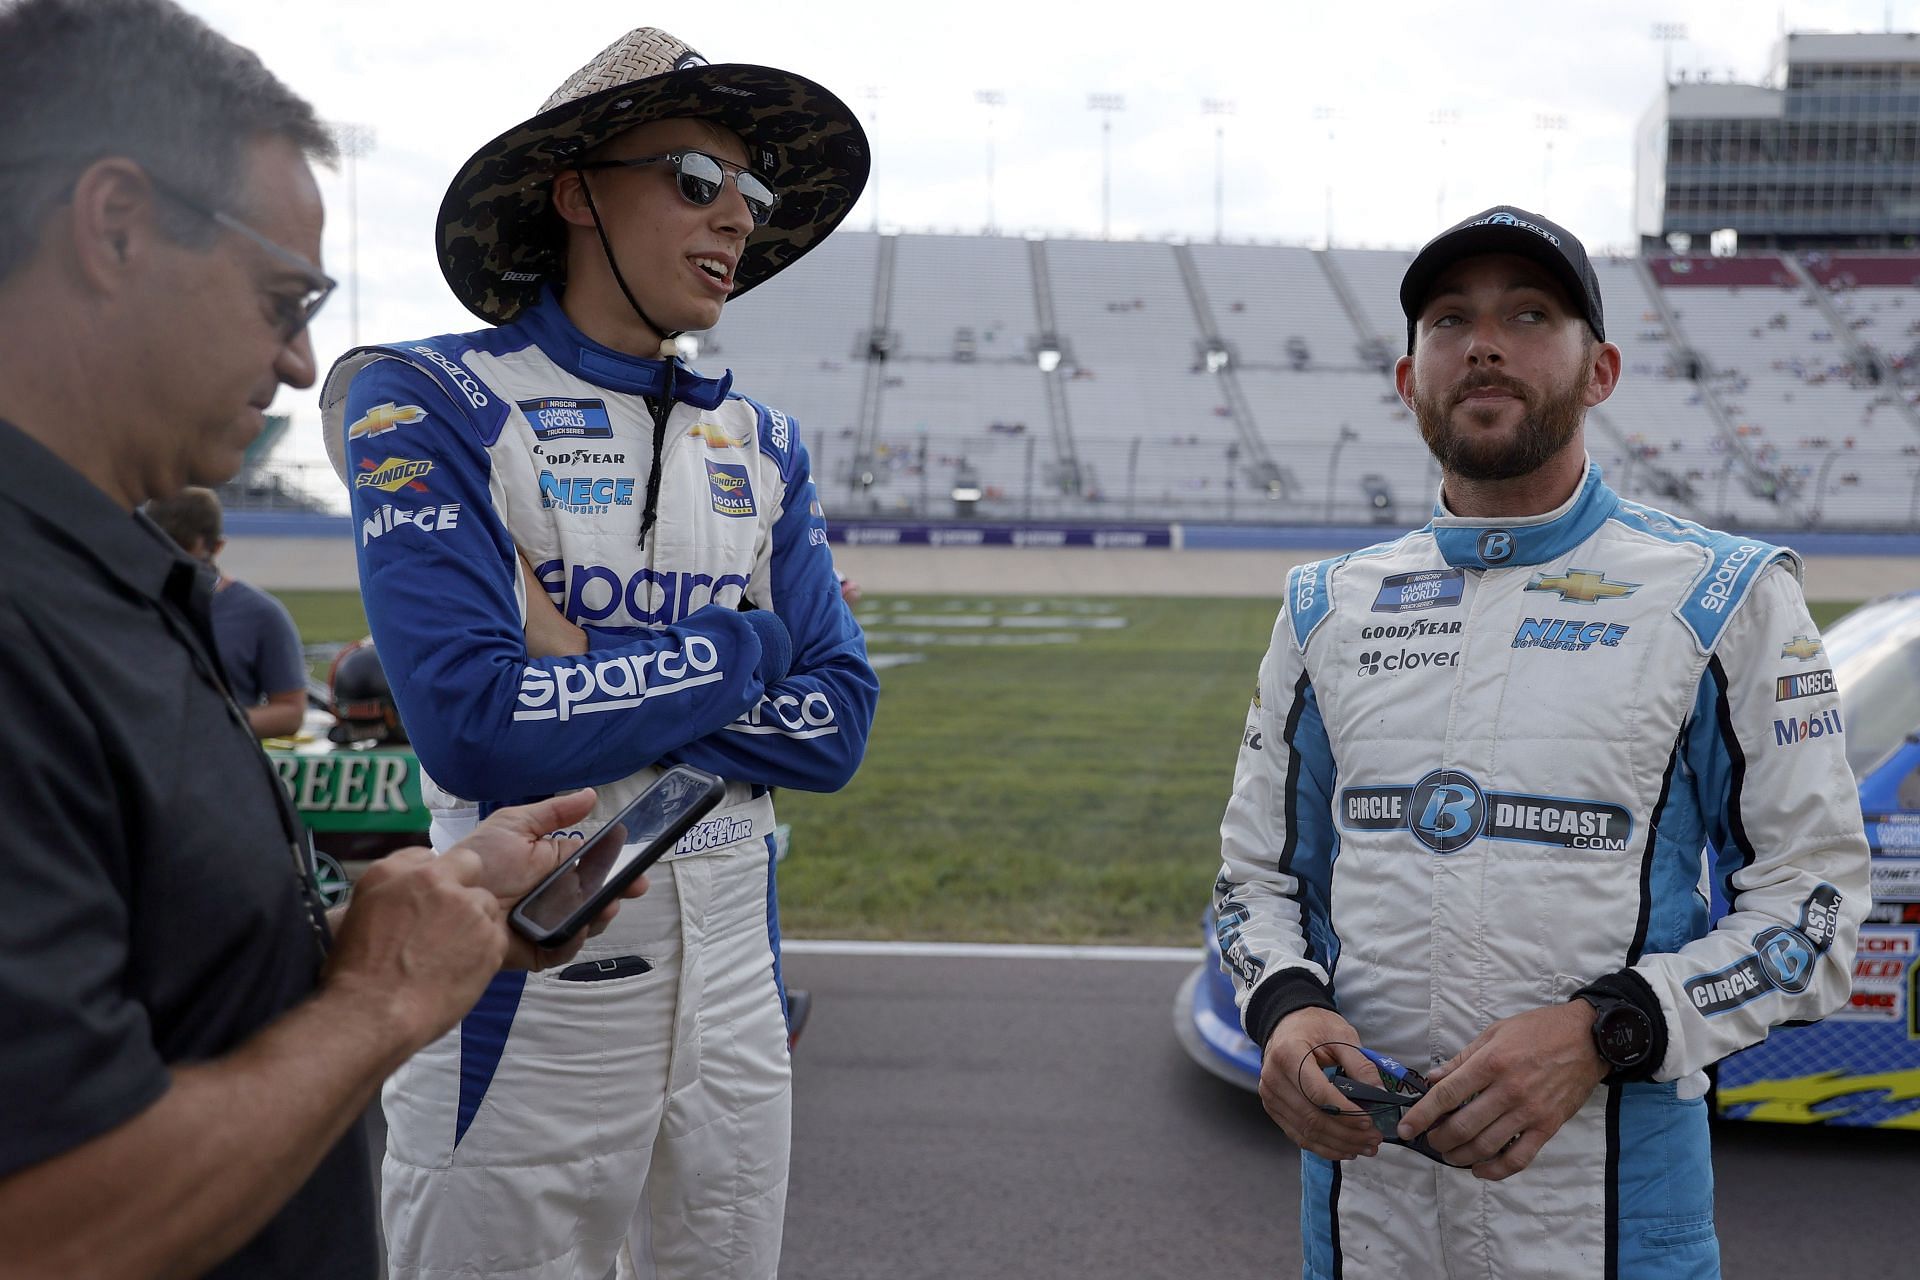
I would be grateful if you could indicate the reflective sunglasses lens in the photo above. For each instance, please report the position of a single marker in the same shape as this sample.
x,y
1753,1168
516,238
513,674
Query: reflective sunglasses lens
x,y
758,195
700,177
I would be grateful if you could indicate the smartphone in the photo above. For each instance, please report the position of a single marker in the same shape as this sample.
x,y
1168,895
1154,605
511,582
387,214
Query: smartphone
x,y
633,840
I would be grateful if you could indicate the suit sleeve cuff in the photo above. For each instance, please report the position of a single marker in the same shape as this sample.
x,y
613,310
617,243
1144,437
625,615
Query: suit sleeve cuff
x,y
1280,995
1628,985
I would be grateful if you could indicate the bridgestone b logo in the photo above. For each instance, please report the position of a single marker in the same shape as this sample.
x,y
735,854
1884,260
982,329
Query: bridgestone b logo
x,y
574,689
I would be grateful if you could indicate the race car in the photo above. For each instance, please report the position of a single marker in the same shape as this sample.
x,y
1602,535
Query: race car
x,y
1861,1065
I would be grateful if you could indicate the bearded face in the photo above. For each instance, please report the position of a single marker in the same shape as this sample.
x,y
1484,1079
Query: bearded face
x,y
1458,432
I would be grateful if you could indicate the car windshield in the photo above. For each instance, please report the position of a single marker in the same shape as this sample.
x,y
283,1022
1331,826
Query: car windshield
x,y
1875,652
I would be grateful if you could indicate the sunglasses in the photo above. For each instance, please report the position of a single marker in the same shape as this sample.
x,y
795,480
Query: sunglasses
x,y
292,314
700,176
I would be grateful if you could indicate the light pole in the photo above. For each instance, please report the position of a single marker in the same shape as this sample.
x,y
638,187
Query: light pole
x,y
1106,104
1667,33
355,140
1331,115
992,100
872,94
1333,467
1549,125
1219,107
1442,120
1820,487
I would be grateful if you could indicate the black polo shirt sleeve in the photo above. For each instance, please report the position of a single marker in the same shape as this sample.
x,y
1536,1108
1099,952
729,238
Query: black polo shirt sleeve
x,y
79,1056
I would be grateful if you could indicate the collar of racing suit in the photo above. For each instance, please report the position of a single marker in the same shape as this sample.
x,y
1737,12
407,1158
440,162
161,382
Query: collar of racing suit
x,y
547,324
1471,543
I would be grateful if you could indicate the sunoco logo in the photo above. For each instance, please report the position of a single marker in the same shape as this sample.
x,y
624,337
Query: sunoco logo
x,y
1447,810
1805,685
574,689
1411,630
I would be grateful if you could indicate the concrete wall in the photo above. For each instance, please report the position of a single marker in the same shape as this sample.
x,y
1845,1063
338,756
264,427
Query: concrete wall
x,y
327,564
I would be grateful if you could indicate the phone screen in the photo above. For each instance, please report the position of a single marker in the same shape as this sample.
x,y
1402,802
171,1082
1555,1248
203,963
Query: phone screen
x,y
644,830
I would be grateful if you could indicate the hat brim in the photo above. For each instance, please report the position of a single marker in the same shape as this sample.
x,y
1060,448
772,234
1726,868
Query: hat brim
x,y
500,242
1472,242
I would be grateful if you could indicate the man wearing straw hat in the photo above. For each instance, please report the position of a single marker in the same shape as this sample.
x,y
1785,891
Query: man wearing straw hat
x,y
583,562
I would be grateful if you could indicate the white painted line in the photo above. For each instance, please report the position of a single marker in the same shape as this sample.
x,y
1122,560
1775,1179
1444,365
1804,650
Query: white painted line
x,y
986,950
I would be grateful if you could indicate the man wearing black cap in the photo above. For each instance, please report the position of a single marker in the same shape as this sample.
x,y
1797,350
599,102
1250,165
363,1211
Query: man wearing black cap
x,y
584,562
1466,829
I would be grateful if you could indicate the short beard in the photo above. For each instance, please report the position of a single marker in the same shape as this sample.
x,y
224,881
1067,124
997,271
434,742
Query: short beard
x,y
1550,422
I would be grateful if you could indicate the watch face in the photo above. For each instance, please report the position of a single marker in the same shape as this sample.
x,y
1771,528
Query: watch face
x,y
1623,1035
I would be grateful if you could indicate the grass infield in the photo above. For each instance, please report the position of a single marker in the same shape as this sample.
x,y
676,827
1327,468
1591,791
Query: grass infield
x,y
1039,771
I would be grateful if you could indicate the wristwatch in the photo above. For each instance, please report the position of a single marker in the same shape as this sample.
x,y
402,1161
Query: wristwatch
x,y
1622,1033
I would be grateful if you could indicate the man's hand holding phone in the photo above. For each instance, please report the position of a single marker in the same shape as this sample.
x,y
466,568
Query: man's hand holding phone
x,y
517,851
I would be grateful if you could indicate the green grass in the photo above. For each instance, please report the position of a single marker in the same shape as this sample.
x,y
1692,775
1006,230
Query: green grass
x,y
1035,793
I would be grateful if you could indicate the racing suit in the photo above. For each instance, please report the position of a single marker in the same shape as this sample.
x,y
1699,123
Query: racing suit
x,y
1479,771
519,1144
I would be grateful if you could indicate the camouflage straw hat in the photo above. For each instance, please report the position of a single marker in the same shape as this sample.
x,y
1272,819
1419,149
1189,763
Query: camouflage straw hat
x,y
500,240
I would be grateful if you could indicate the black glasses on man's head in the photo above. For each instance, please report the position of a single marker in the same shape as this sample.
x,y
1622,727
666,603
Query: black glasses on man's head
x,y
293,314
699,177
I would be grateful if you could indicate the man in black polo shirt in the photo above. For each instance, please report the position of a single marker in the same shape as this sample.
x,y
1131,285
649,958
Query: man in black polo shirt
x,y
185,1047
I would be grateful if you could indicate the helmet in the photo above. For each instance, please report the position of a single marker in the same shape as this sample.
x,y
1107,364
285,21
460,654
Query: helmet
x,y
362,701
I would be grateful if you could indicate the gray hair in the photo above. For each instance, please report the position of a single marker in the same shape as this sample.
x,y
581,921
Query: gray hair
x,y
84,79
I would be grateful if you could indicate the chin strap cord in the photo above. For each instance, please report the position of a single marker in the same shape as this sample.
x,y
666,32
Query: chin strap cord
x,y
661,406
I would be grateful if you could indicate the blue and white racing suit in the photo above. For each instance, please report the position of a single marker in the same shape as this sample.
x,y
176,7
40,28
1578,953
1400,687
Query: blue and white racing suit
x,y
519,1144
1479,771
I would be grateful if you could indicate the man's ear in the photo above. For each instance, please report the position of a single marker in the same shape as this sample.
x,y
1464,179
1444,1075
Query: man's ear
x,y
111,221
570,198
1403,379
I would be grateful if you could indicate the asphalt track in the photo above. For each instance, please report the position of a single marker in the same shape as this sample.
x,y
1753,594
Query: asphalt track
x,y
1007,1113
993,1116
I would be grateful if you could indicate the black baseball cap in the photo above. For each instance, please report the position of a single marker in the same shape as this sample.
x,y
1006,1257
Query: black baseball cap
x,y
1505,229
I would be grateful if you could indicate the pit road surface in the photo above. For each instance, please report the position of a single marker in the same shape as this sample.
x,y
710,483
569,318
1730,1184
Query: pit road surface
x,y
961,1116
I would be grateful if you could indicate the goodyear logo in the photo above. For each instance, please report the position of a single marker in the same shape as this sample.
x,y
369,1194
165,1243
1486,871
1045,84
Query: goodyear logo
x,y
1801,647
1582,586
383,418
1413,592
716,436
555,418
393,474
731,494
1804,685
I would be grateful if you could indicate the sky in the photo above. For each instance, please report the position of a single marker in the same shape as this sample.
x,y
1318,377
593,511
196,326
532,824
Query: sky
x,y
1373,124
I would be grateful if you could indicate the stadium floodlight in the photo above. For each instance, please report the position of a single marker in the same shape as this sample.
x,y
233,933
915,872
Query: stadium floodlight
x,y
1217,359
872,94
1548,125
1106,104
355,141
1048,357
992,100
1218,107
1668,33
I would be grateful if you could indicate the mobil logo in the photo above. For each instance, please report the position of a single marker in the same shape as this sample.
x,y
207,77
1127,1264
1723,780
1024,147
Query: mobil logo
x,y
646,597
1448,810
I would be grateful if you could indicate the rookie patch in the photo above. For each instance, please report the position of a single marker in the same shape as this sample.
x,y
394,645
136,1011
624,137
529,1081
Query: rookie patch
x,y
731,494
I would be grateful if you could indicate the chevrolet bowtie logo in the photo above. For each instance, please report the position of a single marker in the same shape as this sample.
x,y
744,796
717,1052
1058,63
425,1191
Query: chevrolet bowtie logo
x,y
1583,586
385,417
1801,647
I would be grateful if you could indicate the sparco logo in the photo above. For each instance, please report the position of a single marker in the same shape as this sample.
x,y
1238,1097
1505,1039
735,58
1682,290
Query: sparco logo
x,y
1306,587
650,597
581,688
461,378
790,717
1410,630
1375,661
1720,587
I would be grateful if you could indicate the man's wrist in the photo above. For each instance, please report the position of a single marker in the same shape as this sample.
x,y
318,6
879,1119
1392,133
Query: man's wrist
x,y
1626,1039
1285,992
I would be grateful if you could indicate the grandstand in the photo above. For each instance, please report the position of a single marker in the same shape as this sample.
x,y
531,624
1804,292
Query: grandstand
x,y
999,377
